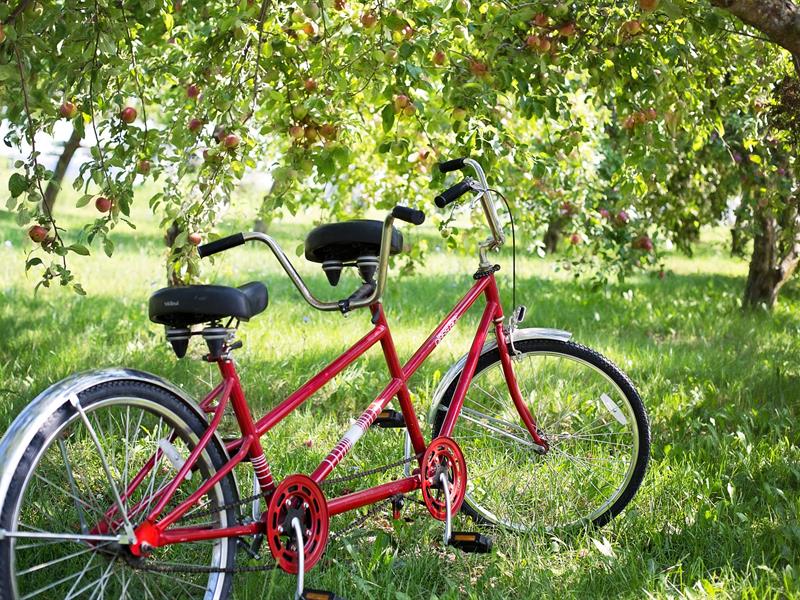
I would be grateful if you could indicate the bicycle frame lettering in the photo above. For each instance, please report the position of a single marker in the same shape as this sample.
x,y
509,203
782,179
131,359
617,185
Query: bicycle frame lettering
x,y
156,531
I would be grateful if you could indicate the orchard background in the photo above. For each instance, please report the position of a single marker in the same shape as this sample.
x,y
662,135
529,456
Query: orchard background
x,y
622,127
650,146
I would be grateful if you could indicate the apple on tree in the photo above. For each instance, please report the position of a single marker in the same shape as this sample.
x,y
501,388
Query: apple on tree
x,y
439,58
369,20
128,114
37,233
68,110
195,124
102,204
143,166
231,141
192,91
195,239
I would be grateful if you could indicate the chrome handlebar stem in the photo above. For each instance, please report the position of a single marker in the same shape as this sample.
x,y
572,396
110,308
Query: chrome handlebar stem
x,y
492,243
383,268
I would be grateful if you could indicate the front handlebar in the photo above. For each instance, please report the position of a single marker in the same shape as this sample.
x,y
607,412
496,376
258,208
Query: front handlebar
x,y
482,188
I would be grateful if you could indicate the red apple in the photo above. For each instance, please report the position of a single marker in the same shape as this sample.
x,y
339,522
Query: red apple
x,y
311,133
195,124
633,27
231,141
143,166
651,114
439,58
68,110
369,20
339,4
643,243
102,204
328,131
478,68
575,239
400,102
648,5
128,114
622,217
192,91
309,29
296,131
541,20
37,233
567,208
409,110
195,239
604,213
567,30
310,85
308,443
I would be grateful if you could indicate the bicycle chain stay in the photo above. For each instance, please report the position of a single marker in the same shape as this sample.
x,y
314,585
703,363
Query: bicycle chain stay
x,y
334,535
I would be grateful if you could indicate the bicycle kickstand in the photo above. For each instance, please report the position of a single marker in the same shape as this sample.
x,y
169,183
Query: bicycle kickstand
x,y
302,593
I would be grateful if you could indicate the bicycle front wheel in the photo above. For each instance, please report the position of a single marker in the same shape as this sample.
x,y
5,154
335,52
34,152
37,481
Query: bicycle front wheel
x,y
589,413
60,508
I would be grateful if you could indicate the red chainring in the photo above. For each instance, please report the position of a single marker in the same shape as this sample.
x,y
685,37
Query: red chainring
x,y
443,456
297,496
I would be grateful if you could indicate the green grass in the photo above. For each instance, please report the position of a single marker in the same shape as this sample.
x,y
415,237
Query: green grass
x,y
716,516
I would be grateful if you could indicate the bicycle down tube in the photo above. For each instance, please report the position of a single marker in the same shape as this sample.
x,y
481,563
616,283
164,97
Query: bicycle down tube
x,y
155,531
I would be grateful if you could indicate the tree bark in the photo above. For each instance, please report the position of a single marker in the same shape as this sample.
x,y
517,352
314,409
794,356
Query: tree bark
x,y
775,258
552,236
779,20
54,185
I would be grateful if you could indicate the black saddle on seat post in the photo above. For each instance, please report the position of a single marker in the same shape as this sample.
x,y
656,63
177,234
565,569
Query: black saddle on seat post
x,y
357,242
182,307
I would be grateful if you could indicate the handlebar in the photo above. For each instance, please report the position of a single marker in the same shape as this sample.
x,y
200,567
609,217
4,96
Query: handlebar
x,y
451,165
237,239
403,213
453,193
481,187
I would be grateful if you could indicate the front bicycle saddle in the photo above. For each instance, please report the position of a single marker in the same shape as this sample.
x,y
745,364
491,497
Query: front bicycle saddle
x,y
349,243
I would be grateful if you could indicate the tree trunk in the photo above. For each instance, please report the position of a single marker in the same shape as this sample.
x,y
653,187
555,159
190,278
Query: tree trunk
x,y
774,260
779,20
54,185
551,236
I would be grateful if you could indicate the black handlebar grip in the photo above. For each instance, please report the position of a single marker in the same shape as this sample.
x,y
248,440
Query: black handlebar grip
x,y
409,215
451,165
454,193
237,239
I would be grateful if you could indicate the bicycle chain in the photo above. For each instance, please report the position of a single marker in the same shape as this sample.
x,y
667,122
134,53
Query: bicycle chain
x,y
355,523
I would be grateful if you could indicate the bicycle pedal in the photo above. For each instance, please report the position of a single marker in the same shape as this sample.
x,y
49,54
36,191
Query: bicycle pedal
x,y
319,595
468,541
390,419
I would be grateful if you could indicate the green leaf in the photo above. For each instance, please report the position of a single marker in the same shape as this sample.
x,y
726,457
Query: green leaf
x,y
108,246
79,249
83,200
387,118
17,184
33,262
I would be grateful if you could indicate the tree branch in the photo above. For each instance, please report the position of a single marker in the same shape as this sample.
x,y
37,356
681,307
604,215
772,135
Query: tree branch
x,y
779,20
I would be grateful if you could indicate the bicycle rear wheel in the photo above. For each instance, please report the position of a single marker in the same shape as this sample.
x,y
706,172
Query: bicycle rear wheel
x,y
60,488
587,410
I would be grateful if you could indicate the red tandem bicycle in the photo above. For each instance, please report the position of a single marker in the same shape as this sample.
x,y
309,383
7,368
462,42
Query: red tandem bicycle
x,y
116,484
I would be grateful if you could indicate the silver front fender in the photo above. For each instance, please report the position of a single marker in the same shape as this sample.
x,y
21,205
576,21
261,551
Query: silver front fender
x,y
33,416
530,333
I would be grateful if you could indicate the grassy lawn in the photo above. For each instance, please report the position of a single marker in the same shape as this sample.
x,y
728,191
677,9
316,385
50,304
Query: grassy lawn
x,y
717,514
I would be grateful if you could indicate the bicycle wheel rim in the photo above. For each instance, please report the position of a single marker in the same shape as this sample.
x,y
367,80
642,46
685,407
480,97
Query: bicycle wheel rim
x,y
131,583
541,499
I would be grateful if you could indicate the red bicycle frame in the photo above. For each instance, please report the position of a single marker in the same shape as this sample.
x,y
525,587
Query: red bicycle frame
x,y
156,531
